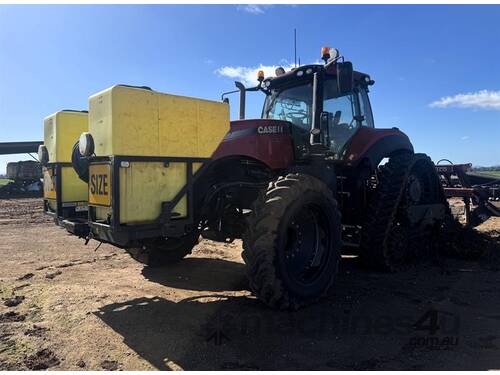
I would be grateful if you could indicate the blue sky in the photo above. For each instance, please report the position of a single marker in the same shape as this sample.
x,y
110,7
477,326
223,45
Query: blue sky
x,y
436,67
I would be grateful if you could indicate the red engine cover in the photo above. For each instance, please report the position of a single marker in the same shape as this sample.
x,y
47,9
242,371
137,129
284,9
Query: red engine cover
x,y
266,140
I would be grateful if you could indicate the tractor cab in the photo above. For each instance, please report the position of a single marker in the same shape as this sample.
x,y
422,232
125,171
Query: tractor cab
x,y
326,104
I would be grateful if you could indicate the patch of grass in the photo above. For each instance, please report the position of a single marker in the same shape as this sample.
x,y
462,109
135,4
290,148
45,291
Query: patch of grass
x,y
4,181
489,173
5,291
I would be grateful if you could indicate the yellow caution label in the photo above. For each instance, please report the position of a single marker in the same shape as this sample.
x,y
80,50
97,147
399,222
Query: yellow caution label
x,y
49,184
100,184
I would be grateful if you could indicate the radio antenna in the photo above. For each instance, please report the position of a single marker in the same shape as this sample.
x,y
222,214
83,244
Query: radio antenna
x,y
295,46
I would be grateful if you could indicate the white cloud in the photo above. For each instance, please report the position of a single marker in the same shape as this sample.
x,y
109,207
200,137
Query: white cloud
x,y
248,75
465,137
254,8
483,99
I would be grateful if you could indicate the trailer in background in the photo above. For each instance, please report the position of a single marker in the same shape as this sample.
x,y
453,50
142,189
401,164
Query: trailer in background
x,y
25,179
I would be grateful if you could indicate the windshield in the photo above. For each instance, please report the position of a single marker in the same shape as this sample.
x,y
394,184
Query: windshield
x,y
293,104
345,112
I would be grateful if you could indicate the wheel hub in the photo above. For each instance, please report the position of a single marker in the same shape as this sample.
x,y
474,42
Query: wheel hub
x,y
305,245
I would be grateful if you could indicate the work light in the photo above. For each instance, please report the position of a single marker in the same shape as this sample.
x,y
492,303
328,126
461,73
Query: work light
x,y
329,54
325,53
279,71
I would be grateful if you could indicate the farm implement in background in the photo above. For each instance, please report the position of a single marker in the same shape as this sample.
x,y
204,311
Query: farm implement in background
x,y
478,192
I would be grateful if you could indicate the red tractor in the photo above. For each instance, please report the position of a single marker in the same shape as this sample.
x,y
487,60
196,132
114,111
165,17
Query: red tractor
x,y
309,179
306,180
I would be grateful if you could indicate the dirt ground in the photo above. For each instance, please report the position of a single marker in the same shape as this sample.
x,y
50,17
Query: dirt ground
x,y
65,306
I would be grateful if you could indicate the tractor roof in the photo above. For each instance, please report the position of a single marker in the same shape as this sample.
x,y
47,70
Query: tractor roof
x,y
306,71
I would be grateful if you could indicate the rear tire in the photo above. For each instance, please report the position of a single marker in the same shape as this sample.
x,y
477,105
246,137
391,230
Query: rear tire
x,y
292,243
163,251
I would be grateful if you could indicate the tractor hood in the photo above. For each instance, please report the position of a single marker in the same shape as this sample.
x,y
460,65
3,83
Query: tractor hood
x,y
268,141
241,128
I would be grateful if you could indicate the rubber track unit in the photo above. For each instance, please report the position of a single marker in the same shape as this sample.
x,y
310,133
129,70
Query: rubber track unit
x,y
161,252
260,240
380,232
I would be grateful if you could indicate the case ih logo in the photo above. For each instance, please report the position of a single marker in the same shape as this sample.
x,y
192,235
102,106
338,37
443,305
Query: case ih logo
x,y
274,129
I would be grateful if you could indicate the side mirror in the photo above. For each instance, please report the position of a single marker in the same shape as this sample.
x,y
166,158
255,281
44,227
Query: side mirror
x,y
344,77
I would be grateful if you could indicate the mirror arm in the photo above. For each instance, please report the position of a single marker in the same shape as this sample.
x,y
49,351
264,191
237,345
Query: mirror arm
x,y
224,94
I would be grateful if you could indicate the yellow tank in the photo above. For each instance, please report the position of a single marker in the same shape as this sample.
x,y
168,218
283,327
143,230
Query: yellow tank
x,y
138,122
130,121
61,131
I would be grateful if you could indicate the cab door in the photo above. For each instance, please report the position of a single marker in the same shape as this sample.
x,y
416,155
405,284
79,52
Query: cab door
x,y
346,114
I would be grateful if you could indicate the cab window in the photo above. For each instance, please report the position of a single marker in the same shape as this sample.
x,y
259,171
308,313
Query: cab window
x,y
343,119
365,108
346,113
291,104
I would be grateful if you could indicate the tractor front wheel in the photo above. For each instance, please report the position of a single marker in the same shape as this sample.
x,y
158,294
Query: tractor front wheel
x,y
292,244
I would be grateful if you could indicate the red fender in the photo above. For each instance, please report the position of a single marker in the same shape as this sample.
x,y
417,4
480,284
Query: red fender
x,y
375,144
